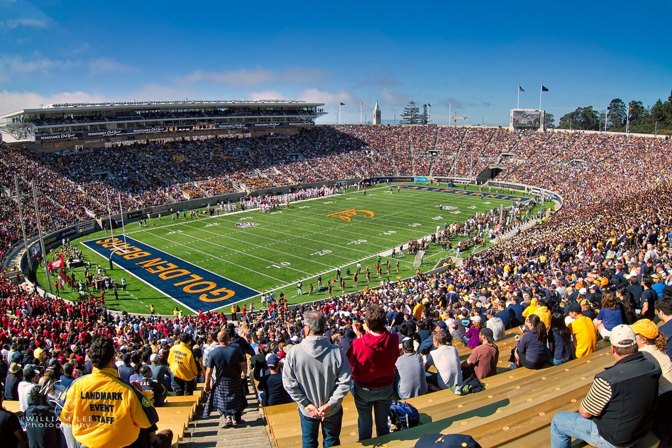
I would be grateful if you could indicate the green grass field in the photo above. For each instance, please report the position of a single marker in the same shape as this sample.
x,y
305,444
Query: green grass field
x,y
294,244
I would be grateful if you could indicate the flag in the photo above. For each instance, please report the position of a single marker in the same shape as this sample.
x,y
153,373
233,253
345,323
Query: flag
x,y
429,105
341,104
520,89
56,264
544,88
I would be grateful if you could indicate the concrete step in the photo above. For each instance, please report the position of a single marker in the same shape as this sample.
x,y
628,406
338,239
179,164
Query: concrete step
x,y
209,433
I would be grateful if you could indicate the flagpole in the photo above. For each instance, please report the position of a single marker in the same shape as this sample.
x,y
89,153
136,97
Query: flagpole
x,y
121,212
39,232
361,112
627,121
541,91
338,121
518,99
450,107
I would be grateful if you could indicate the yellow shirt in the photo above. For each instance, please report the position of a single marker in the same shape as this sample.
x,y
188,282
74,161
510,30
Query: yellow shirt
x,y
181,362
417,310
544,315
585,336
106,412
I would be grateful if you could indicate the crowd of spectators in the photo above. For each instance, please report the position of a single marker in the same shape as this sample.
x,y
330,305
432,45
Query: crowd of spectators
x,y
604,250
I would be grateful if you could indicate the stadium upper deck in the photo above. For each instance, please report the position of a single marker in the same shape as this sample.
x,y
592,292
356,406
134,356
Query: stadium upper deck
x,y
60,126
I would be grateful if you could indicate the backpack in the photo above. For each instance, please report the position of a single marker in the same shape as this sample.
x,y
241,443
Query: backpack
x,y
403,416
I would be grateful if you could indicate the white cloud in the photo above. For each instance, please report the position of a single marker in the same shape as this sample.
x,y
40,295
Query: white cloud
x,y
13,101
393,98
250,77
266,95
162,93
24,22
22,66
321,96
240,77
102,66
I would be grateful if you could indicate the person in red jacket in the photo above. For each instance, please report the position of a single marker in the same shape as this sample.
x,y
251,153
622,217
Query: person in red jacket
x,y
372,358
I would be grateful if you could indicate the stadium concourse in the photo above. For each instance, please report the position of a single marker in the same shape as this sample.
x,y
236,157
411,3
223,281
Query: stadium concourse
x,y
613,233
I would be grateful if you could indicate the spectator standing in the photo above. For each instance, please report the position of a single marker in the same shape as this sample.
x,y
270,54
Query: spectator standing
x,y
43,428
26,386
121,414
160,372
648,299
619,408
274,391
126,369
12,381
11,433
651,343
372,358
182,366
664,310
227,386
317,376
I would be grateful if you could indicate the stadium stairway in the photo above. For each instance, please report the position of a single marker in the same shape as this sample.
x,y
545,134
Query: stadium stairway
x,y
208,432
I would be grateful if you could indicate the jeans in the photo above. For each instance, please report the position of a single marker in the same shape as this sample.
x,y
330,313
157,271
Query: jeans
x,y
331,430
378,400
566,425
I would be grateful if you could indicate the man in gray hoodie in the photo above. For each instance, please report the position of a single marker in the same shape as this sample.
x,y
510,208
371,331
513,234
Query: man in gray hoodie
x,y
316,375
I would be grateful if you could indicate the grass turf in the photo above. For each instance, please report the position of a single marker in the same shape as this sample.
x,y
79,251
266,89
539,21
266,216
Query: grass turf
x,y
294,244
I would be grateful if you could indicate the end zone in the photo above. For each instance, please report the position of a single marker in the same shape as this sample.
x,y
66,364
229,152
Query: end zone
x,y
194,287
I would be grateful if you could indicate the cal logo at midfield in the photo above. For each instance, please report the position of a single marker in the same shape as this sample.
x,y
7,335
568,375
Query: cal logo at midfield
x,y
347,215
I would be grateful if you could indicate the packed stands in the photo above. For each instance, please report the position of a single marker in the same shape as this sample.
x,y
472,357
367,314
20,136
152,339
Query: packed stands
x,y
615,223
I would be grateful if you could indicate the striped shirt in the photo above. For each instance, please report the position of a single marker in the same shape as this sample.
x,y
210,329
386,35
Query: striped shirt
x,y
598,397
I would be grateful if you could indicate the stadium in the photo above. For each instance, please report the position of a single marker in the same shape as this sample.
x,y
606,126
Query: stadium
x,y
165,217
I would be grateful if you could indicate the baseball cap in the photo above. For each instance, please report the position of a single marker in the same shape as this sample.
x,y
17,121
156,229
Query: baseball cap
x,y
273,360
488,334
622,336
583,291
441,324
646,328
154,357
584,302
476,318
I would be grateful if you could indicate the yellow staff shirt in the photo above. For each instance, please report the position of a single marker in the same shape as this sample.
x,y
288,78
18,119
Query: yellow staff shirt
x,y
106,412
181,362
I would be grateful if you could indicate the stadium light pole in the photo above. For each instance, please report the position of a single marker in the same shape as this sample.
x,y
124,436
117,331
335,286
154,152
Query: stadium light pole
x,y
38,221
17,198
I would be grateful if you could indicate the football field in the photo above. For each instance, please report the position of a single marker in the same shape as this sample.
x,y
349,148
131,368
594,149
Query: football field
x,y
209,263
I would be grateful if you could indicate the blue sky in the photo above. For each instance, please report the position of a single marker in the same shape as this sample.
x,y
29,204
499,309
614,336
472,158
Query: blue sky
x,y
471,55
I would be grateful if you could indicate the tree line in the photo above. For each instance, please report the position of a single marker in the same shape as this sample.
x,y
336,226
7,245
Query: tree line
x,y
619,117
